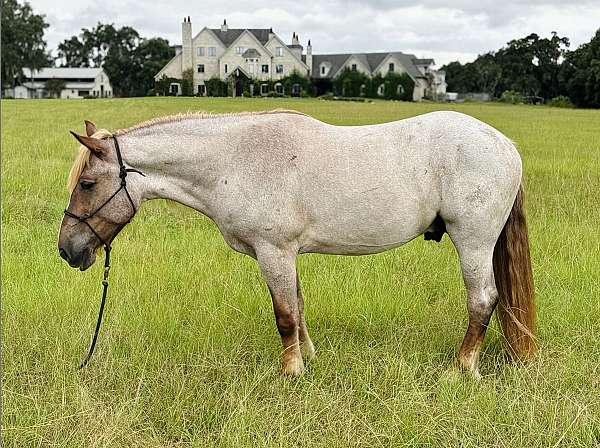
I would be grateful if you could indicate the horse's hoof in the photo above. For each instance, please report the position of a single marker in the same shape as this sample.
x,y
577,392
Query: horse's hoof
x,y
308,350
293,367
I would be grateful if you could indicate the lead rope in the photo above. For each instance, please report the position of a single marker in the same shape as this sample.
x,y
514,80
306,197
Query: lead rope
x,y
101,311
107,248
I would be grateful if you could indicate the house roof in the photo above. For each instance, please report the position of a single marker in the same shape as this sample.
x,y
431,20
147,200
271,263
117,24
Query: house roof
x,y
63,72
229,36
251,53
370,60
424,61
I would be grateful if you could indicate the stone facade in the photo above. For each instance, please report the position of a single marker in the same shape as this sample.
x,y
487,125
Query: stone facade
x,y
241,55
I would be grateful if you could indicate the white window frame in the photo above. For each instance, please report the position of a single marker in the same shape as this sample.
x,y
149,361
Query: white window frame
x,y
279,52
279,87
239,50
264,68
264,89
200,51
279,69
200,68
212,51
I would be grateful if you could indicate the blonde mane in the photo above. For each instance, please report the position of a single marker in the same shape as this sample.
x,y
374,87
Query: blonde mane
x,y
82,159
201,116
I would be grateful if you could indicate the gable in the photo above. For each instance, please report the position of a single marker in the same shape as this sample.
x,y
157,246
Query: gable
x,y
228,37
172,68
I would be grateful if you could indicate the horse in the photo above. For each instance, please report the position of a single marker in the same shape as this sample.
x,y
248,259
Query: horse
x,y
281,183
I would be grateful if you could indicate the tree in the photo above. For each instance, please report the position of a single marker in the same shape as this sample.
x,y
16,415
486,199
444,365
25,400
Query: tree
x,y
23,45
580,74
129,61
55,86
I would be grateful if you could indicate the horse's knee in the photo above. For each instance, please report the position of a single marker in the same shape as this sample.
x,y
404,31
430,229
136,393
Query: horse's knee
x,y
287,323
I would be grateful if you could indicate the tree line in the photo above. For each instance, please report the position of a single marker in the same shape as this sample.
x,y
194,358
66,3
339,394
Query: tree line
x,y
535,67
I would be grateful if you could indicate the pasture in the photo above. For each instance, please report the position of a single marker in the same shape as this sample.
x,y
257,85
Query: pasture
x,y
188,351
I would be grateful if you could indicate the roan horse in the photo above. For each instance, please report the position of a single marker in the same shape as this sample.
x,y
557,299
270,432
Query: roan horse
x,y
281,183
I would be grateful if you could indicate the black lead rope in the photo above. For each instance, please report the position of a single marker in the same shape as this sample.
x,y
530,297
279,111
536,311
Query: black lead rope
x,y
107,247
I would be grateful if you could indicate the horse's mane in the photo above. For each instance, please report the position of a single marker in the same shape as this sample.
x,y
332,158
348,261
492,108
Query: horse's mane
x,y
201,116
82,159
83,156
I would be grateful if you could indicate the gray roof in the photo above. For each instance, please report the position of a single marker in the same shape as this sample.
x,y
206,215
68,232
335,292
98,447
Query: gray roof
x,y
370,60
229,36
424,61
251,53
63,73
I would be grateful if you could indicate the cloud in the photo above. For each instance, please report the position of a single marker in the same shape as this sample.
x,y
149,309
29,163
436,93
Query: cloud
x,y
446,31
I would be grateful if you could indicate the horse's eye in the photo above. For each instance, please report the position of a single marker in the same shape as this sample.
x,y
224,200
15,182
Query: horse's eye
x,y
86,184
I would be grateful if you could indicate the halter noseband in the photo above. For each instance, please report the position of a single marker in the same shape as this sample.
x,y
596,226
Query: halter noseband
x,y
106,243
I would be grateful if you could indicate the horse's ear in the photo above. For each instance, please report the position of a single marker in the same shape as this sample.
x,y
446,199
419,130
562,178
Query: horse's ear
x,y
97,146
90,128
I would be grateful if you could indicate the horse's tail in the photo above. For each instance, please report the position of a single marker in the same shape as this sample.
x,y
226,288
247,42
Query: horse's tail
x,y
514,282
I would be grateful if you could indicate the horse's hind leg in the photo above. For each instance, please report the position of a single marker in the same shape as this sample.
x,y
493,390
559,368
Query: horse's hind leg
x,y
306,346
482,297
278,268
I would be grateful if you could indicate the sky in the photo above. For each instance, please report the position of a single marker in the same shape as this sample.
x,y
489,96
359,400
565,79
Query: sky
x,y
443,30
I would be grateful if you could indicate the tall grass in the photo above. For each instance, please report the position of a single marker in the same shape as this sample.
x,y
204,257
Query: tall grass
x,y
188,353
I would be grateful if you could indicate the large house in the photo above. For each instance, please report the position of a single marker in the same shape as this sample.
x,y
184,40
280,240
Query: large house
x,y
76,83
239,55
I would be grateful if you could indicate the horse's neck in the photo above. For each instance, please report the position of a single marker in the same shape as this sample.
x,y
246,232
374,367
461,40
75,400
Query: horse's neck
x,y
179,162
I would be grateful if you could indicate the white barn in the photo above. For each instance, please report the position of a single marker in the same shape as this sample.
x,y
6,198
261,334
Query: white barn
x,y
80,82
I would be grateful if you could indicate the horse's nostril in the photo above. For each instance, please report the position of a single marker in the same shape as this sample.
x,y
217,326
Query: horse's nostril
x,y
63,253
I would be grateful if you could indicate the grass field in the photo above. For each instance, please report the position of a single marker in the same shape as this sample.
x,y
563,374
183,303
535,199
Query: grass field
x,y
188,353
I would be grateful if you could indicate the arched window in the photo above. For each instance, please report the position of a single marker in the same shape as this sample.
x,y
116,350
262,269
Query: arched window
x,y
400,89
381,90
363,90
279,88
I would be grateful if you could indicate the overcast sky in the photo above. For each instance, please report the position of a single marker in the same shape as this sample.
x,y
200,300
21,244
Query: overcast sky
x,y
444,30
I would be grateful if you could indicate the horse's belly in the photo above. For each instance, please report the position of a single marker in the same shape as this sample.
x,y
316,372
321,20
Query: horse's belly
x,y
361,228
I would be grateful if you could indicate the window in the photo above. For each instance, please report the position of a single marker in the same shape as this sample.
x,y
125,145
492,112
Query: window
x,y
201,89
381,90
239,50
225,68
84,93
264,89
212,51
279,88
200,68
391,67
353,67
296,89
279,68
265,68
200,51
400,89
251,68
323,69
279,51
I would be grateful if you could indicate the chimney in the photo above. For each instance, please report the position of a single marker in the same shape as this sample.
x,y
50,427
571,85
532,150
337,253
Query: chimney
x,y
271,34
224,26
309,58
186,44
295,40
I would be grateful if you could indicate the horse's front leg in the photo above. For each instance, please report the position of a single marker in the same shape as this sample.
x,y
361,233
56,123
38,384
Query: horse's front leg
x,y
278,268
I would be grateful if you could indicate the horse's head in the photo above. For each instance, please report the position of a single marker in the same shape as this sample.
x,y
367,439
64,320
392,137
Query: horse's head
x,y
95,214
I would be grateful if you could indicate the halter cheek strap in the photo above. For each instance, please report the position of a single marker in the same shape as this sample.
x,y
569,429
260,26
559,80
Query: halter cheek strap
x,y
106,243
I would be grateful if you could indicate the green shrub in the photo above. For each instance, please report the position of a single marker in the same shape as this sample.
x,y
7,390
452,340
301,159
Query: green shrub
x,y
561,101
511,97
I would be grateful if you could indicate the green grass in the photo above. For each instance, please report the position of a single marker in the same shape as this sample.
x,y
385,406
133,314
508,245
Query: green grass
x,y
189,354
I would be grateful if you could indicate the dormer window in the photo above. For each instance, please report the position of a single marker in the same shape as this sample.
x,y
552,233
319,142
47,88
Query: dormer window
x,y
353,67
391,67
